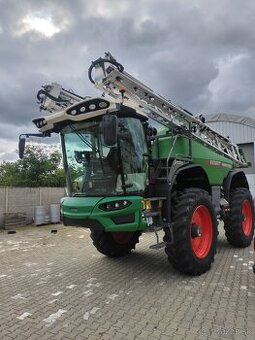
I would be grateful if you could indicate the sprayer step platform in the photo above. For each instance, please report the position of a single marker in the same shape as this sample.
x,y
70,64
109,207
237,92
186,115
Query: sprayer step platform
x,y
158,245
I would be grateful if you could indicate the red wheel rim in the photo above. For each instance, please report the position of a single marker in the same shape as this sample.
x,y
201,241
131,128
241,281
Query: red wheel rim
x,y
201,245
122,237
247,217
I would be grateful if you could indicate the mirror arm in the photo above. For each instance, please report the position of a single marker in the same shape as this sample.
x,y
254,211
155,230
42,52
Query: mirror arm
x,y
27,135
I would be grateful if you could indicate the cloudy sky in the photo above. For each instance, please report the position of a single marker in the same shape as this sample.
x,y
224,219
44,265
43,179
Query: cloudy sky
x,y
200,53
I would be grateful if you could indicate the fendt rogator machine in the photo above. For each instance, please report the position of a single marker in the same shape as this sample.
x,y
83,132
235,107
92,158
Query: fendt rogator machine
x,y
135,161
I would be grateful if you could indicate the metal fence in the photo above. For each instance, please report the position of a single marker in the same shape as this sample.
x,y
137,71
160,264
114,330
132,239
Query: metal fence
x,y
24,200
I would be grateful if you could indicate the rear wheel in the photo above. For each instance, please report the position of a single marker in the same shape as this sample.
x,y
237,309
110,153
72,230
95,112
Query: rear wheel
x,y
239,224
195,232
114,244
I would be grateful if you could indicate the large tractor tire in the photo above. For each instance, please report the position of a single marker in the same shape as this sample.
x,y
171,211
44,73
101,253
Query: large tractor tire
x,y
239,224
114,244
194,232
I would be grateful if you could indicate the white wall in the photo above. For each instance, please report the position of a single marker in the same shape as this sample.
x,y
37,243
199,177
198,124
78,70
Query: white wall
x,y
23,200
239,133
251,181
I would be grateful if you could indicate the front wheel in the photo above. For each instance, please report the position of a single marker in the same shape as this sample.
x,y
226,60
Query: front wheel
x,y
239,224
114,244
195,232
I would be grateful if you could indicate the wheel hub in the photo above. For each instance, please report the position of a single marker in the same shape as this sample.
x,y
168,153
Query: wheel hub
x,y
201,231
247,217
196,231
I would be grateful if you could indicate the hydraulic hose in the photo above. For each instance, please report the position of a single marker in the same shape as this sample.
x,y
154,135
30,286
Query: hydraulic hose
x,y
47,94
101,61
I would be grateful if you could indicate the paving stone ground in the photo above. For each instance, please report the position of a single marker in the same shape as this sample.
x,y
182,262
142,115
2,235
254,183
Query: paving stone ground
x,y
57,286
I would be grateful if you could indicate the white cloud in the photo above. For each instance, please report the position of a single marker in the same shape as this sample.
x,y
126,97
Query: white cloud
x,y
233,86
108,9
44,26
191,52
8,150
40,23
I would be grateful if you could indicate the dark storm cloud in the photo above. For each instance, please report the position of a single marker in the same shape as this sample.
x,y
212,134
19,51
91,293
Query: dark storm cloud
x,y
200,54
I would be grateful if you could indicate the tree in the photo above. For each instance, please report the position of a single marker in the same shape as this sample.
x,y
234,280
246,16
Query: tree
x,y
37,168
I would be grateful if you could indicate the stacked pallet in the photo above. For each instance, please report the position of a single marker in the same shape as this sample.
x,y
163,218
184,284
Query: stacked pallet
x,y
12,220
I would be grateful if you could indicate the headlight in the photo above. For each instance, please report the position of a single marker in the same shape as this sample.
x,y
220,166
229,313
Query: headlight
x,y
115,205
88,106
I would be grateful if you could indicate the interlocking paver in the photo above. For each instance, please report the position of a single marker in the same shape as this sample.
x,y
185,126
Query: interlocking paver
x,y
57,286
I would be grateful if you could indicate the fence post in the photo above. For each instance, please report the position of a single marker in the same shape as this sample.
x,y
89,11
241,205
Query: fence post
x,y
40,196
6,199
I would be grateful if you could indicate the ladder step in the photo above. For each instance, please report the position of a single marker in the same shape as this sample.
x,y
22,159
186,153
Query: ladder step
x,y
156,198
158,245
151,214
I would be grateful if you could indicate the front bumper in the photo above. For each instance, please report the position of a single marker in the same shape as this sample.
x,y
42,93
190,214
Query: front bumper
x,y
86,212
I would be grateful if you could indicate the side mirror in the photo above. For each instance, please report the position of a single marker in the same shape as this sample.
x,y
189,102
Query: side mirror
x,y
22,140
109,130
22,143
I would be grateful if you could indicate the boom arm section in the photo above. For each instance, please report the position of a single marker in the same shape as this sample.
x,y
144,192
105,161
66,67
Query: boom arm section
x,y
54,98
111,78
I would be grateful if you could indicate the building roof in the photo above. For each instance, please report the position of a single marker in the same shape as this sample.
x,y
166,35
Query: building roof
x,y
230,118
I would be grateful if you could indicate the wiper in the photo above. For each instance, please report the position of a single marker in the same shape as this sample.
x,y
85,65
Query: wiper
x,y
99,154
82,138
87,143
79,194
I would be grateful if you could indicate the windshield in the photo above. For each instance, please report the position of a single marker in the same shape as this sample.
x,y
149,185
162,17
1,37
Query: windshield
x,y
94,169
